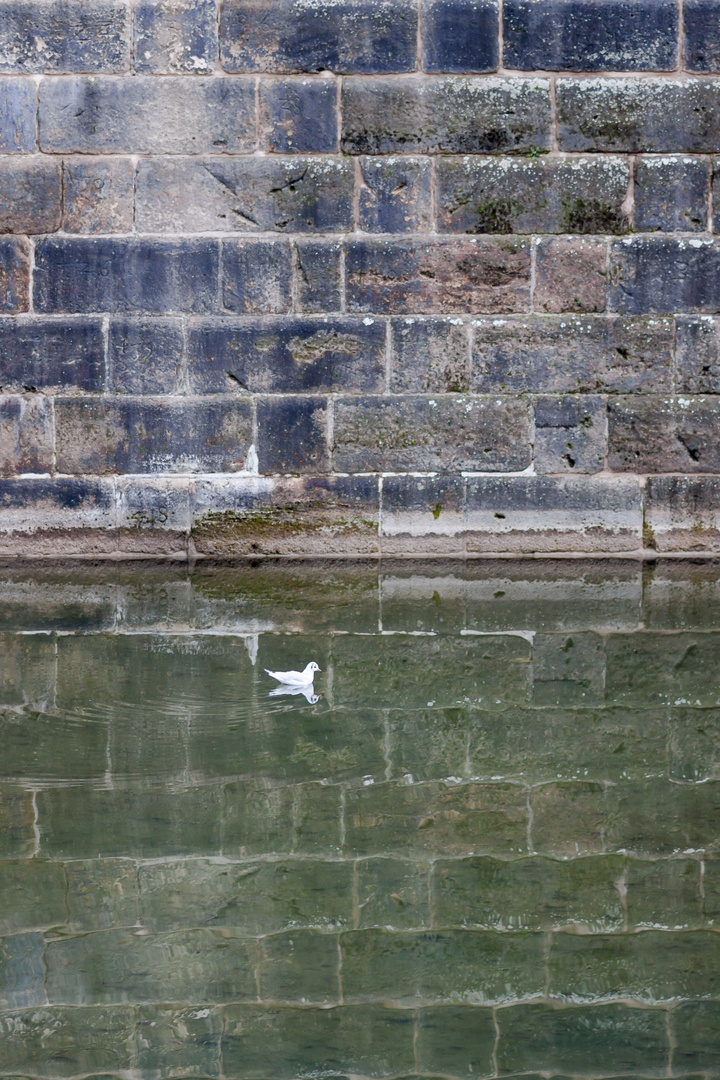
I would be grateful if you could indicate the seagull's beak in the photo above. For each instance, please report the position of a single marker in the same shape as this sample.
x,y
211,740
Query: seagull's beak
x,y
319,669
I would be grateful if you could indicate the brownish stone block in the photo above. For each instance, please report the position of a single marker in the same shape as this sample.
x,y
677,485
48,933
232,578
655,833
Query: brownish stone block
x,y
25,434
98,195
14,274
571,275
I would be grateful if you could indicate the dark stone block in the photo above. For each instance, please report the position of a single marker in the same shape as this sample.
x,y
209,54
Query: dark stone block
x,y
256,276
682,513
58,494
547,195
145,356
64,36
317,276
657,435
570,434
147,115
571,274
14,275
18,121
702,35
671,195
415,115
457,1039
84,1040
651,274
696,1026
352,36
26,443
698,355
716,196
181,37
78,274
116,435
459,35
430,355
30,195
256,194
42,354
603,35
292,434
299,116
647,115
287,356
423,507
173,1039
98,195
395,196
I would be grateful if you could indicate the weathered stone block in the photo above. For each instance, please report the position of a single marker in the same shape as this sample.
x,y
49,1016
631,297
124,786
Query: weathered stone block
x,y
292,434
145,356
570,434
671,194
299,116
548,195
257,819
18,116
127,435
102,894
259,194
397,276
21,971
256,276
41,508
33,896
317,276
441,966
68,1041
415,115
459,35
353,36
172,1040
571,275
393,894
664,894
654,434
16,813
711,889
58,353
318,820
30,195
664,274
696,1027
668,669
695,745
395,195
448,433
423,513
300,966
26,679
65,36
77,274
147,115
430,355
647,115
456,1038
25,435
569,671
572,354
569,818
698,354
98,195
702,43
176,36
615,35
153,514
661,818
14,279
682,513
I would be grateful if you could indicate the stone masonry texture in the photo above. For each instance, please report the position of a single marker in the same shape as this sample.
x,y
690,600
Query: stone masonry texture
x,y
287,277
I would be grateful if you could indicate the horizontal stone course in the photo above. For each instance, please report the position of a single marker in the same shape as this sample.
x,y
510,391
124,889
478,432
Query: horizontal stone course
x,y
64,37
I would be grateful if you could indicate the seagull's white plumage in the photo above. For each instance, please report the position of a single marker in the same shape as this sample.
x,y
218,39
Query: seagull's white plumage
x,y
295,678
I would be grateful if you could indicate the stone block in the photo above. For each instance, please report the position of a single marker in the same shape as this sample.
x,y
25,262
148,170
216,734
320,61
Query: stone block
x,y
436,818
147,115
443,276
287,355
695,745
256,276
14,279
423,513
98,195
257,819
18,116
654,434
22,971
664,274
669,669
26,679
529,894
292,434
26,444
640,115
299,116
371,1040
572,354
44,354
570,434
30,195
397,434
63,36
620,1037
318,820
129,435
571,275
547,195
459,35
569,818
102,894
698,354
680,594
682,513
569,671
664,894
553,514
68,1041
617,35
430,355
300,966
176,36
457,1039
702,42
123,966
393,894
16,819
45,509
257,194
79,274
671,194
33,746
441,966
317,276
711,889
661,818
33,896
350,37
145,356
172,1041
696,1028
395,195
153,514
414,115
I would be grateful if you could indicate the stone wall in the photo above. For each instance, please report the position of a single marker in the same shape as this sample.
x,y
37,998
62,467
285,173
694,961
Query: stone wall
x,y
360,276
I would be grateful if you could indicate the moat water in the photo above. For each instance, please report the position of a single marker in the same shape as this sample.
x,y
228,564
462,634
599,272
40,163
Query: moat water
x,y
489,847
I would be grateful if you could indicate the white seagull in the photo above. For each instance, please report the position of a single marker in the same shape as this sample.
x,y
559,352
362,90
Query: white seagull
x,y
295,678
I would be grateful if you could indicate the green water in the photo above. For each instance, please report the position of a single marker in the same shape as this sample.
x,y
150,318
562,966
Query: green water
x,y
491,846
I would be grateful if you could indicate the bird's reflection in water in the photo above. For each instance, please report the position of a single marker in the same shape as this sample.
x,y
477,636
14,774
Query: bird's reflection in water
x,y
307,692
